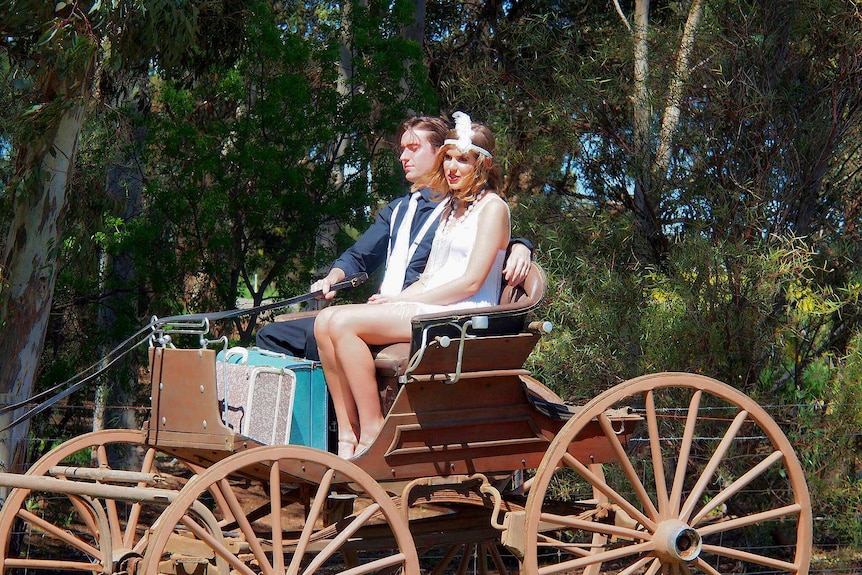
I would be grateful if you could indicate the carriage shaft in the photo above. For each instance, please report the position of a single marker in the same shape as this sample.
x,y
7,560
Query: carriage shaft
x,y
98,490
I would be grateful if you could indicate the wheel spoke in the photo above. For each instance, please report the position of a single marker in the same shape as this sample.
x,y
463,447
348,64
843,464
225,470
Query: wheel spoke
x,y
310,521
447,559
637,566
740,555
579,549
215,545
595,527
612,494
494,552
110,504
342,538
135,512
51,565
246,528
714,461
684,451
628,468
85,514
377,565
748,520
482,558
60,534
464,563
737,485
657,459
706,567
594,558
275,506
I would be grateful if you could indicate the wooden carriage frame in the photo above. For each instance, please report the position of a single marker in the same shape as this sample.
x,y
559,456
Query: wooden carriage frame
x,y
472,460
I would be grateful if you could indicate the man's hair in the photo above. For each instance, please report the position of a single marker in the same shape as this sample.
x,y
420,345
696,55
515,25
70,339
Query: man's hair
x,y
437,128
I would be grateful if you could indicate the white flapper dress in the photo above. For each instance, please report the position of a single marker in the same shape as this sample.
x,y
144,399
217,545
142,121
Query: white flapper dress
x,y
449,257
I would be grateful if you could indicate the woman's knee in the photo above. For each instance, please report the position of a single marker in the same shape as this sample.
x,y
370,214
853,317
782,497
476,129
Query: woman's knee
x,y
322,323
342,325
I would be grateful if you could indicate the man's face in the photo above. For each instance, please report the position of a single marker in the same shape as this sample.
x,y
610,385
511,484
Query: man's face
x,y
417,154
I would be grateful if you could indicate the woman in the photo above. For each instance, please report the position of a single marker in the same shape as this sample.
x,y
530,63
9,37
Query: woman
x,y
463,271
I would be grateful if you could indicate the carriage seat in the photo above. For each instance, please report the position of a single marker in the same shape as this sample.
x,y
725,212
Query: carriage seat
x,y
508,317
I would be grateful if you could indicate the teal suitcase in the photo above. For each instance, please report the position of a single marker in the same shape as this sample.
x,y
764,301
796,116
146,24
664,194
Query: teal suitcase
x,y
310,420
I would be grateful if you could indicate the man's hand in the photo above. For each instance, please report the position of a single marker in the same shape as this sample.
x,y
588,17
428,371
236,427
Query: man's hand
x,y
517,264
324,285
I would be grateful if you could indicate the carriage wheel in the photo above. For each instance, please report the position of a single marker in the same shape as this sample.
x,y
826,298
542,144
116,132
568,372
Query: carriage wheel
x,y
284,501
61,533
707,483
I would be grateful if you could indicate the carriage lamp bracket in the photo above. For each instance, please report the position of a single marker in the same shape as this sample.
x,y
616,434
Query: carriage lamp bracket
x,y
477,322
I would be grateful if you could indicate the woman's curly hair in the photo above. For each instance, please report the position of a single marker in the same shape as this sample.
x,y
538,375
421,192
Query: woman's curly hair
x,y
486,173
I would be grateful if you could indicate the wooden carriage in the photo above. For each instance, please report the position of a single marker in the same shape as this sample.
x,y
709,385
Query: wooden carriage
x,y
478,466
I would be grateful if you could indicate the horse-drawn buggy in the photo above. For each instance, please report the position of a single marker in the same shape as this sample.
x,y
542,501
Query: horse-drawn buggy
x,y
479,467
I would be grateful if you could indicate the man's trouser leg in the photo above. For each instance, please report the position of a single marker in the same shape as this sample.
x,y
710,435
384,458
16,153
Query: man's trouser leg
x,y
294,337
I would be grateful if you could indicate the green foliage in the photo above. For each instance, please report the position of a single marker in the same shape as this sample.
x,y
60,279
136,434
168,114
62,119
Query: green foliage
x,y
825,426
263,159
267,147
594,297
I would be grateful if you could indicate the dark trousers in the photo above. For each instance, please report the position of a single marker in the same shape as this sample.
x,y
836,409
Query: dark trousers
x,y
294,337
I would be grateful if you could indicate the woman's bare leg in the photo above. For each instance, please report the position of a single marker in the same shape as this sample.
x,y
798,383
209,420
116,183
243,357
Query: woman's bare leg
x,y
351,329
346,414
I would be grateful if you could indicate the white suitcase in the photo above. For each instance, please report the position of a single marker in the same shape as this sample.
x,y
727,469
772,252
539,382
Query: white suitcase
x,y
256,401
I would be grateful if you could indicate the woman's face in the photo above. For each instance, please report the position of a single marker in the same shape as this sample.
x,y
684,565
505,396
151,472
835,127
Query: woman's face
x,y
457,167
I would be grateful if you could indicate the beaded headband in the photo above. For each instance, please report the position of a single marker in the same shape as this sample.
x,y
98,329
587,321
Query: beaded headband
x,y
464,130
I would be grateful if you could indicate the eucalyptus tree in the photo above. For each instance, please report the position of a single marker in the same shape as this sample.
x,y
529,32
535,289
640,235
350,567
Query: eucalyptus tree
x,y
697,156
57,51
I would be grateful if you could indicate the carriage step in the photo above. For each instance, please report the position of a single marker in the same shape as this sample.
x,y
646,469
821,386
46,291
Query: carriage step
x,y
98,474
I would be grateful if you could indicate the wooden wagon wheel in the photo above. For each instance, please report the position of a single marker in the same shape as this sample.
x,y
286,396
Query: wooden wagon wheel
x,y
285,503
707,483
62,533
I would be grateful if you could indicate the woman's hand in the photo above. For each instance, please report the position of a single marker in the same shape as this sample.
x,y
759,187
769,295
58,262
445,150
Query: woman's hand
x,y
380,298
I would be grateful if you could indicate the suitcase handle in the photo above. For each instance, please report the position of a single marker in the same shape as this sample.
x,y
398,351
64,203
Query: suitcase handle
x,y
240,351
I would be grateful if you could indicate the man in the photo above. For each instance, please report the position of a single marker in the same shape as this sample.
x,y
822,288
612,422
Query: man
x,y
412,219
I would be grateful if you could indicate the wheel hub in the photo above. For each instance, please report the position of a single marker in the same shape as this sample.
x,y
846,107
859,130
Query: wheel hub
x,y
676,542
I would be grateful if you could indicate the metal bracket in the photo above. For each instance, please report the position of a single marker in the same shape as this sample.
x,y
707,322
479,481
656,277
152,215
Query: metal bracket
x,y
478,322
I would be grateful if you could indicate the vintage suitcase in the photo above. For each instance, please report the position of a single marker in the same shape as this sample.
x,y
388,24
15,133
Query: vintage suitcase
x,y
310,416
256,401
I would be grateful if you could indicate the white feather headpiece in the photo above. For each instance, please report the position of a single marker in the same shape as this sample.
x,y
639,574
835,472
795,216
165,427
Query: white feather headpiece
x,y
464,130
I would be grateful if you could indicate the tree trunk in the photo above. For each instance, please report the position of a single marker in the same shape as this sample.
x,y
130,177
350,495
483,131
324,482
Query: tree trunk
x,y
118,276
670,120
416,30
642,107
30,259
